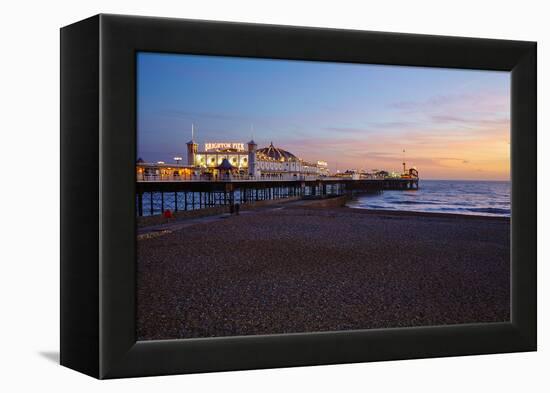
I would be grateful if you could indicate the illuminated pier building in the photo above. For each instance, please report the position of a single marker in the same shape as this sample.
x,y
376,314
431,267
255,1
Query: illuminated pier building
x,y
237,159
269,161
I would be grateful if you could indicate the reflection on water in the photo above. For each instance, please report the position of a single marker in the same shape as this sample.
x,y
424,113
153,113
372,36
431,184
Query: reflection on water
x,y
486,198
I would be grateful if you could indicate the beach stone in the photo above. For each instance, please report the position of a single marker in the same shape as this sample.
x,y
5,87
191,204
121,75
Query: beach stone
x,y
301,269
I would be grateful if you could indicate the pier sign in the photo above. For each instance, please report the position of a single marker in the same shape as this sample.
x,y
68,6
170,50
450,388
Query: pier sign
x,y
210,146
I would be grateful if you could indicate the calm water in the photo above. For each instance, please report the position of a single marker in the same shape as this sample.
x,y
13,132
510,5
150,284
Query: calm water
x,y
487,198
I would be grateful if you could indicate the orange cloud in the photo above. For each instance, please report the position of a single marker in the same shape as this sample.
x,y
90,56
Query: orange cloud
x,y
458,137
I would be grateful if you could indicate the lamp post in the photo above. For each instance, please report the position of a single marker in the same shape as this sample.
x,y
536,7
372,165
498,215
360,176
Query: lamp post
x,y
178,159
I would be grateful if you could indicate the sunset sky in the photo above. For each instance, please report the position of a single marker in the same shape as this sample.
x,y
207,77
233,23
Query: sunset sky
x,y
452,124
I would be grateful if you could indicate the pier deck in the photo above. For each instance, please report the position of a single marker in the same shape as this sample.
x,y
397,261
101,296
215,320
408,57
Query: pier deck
x,y
197,194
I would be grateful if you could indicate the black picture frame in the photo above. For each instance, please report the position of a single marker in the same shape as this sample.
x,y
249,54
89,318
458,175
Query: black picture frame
x,y
98,234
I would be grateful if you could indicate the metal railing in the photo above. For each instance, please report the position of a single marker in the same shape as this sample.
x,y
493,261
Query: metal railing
x,y
224,178
237,178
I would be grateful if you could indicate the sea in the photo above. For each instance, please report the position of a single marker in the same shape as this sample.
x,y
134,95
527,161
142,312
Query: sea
x,y
484,198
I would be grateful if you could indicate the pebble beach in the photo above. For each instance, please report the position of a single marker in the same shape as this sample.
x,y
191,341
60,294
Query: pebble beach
x,y
297,269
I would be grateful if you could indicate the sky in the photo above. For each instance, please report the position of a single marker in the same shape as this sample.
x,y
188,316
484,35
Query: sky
x,y
450,123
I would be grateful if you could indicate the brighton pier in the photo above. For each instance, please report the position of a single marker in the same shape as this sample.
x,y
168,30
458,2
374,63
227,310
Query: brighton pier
x,y
227,174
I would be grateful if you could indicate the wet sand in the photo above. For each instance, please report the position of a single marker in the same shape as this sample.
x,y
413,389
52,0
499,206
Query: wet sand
x,y
299,269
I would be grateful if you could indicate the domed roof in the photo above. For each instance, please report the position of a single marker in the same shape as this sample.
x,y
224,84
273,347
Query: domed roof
x,y
277,154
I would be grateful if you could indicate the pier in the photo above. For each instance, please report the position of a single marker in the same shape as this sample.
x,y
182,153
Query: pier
x,y
156,196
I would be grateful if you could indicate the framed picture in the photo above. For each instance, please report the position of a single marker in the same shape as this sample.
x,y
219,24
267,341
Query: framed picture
x,y
240,196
